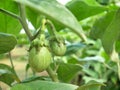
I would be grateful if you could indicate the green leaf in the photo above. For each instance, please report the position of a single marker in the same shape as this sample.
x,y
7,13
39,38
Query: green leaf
x,y
34,17
87,79
7,42
56,12
6,74
85,8
90,72
9,24
34,78
66,72
73,48
117,46
43,85
101,24
91,85
27,67
111,34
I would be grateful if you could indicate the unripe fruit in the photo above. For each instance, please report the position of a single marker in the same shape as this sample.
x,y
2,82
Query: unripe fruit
x,y
39,59
58,46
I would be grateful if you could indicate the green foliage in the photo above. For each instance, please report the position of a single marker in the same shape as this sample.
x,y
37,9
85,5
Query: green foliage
x,y
44,85
46,7
112,33
107,26
6,74
7,42
92,85
101,24
9,24
36,20
73,48
66,72
85,8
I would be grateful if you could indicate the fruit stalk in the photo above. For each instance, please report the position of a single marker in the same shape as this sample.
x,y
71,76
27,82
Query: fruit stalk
x,y
51,28
52,74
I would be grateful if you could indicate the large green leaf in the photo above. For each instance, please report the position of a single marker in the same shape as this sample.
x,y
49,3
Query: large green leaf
x,y
56,12
6,74
66,72
101,24
7,42
34,17
84,8
112,33
43,85
91,85
9,24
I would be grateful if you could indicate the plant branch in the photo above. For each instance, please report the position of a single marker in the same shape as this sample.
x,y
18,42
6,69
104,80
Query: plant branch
x,y
11,61
9,13
36,34
52,74
23,21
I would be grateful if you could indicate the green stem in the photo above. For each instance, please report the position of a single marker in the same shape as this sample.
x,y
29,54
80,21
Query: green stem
x,y
23,21
51,28
52,74
37,34
11,61
53,32
9,13
43,27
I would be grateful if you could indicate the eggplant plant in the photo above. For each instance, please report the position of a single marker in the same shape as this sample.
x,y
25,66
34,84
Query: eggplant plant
x,y
77,44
